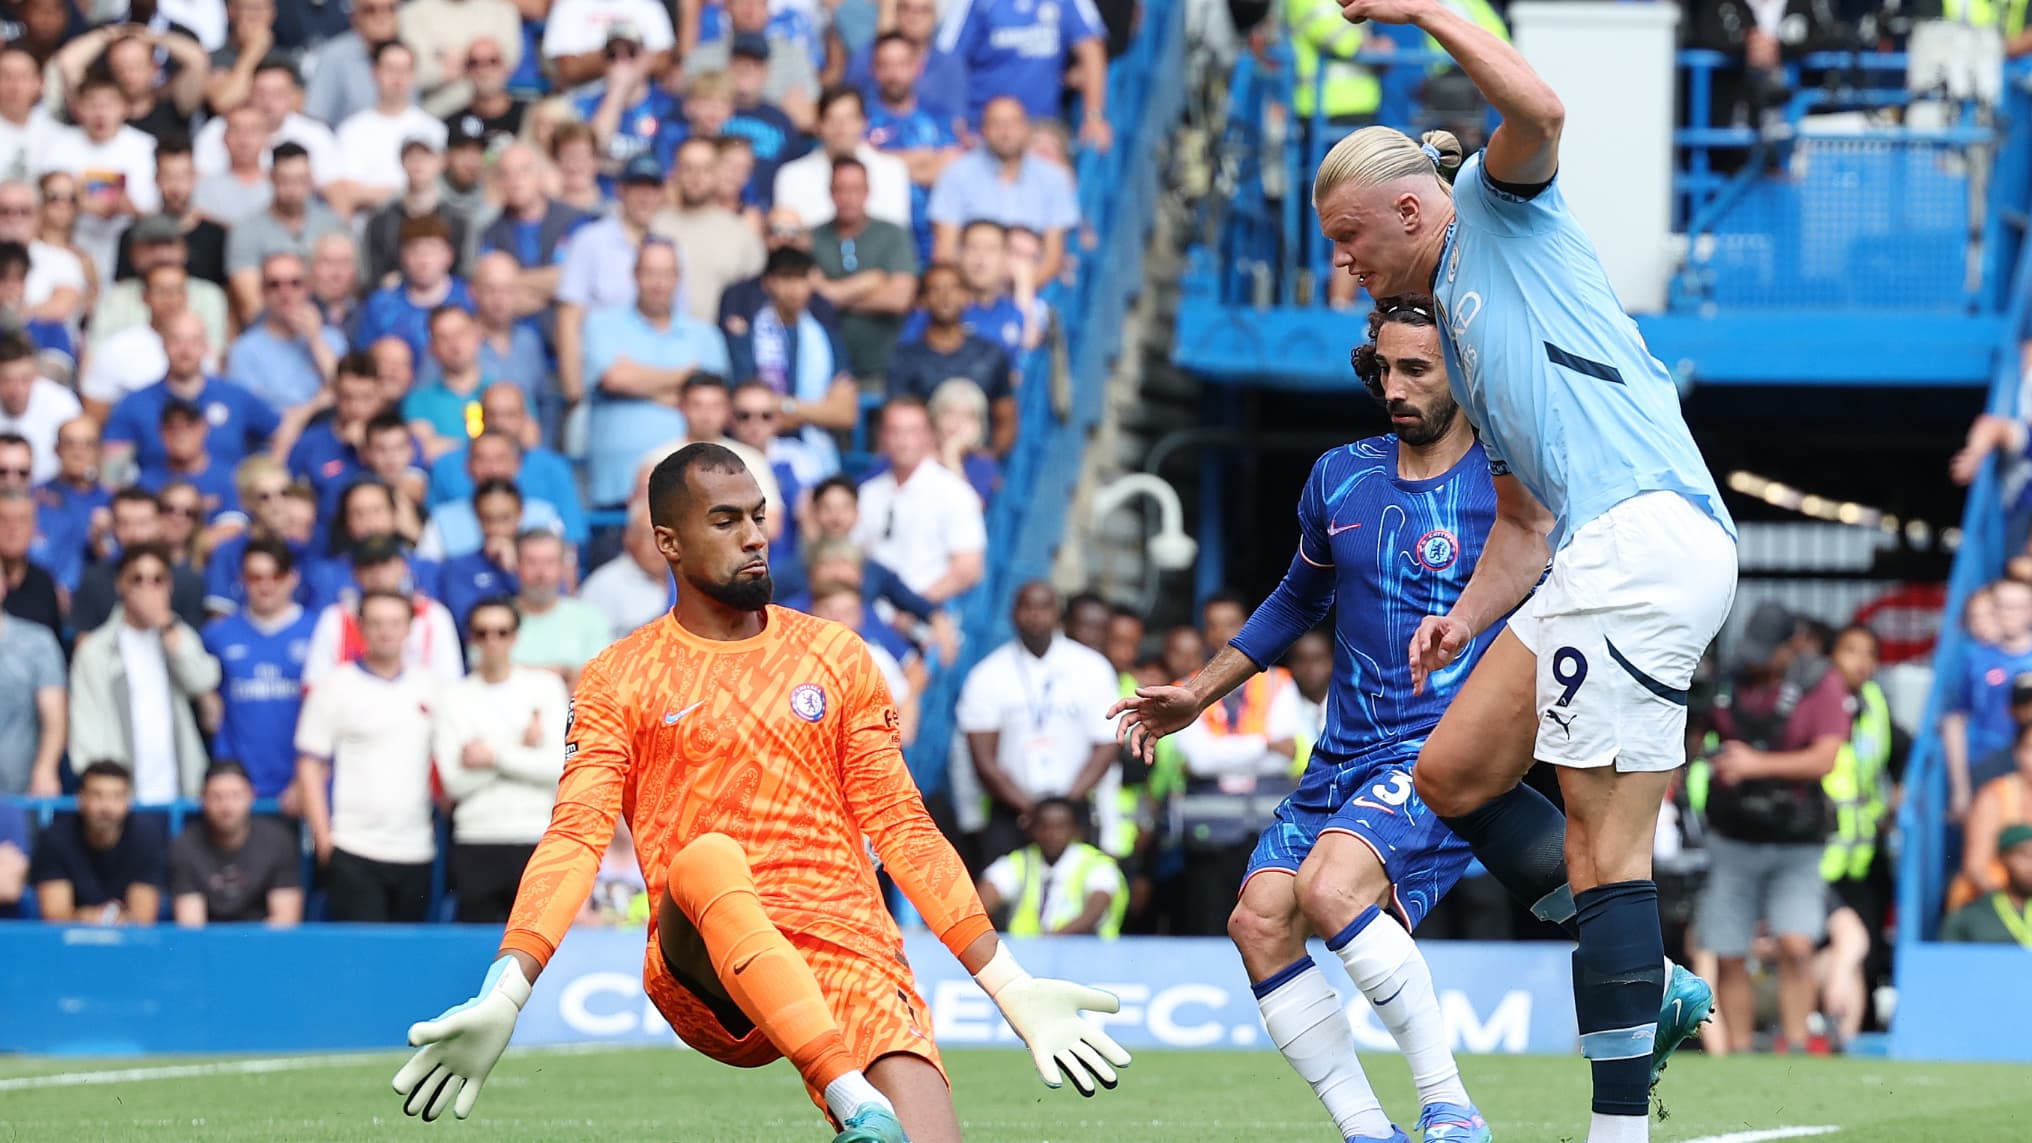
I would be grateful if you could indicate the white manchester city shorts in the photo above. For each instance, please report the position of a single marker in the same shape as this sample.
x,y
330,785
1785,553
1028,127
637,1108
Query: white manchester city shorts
x,y
1620,624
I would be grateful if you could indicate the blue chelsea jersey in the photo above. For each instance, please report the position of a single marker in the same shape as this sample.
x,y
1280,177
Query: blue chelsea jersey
x,y
1548,366
1400,550
263,692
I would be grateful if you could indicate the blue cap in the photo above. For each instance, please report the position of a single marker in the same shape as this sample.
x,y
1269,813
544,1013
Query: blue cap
x,y
753,45
642,169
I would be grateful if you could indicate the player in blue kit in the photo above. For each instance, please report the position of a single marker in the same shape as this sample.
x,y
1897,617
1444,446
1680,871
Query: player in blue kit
x,y
1390,530
261,650
1595,469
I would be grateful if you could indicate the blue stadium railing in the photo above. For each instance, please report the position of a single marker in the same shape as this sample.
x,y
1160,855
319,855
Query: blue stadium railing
x,y
1926,859
1118,196
1890,215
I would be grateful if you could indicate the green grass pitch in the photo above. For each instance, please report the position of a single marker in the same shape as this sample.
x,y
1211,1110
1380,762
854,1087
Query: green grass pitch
x,y
1174,1097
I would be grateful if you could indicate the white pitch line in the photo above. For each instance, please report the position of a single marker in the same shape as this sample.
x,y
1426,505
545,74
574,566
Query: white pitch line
x,y
1767,1135
239,1068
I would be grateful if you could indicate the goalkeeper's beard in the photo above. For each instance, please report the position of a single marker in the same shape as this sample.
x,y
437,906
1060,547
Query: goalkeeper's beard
x,y
742,593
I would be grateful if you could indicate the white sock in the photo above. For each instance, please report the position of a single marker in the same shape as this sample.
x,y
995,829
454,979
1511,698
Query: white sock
x,y
1387,967
1306,1023
850,1093
1619,1129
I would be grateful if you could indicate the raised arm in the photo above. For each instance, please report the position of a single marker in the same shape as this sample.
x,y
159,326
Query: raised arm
x,y
1525,149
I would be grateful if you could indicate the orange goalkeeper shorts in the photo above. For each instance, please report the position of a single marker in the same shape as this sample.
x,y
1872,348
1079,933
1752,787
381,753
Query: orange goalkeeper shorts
x,y
874,1000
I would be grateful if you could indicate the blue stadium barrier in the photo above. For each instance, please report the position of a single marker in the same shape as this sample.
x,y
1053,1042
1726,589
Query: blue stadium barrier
x,y
103,992
1925,866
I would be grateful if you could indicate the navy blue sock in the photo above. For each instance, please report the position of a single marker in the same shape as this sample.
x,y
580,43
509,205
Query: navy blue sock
x,y
1521,838
1618,976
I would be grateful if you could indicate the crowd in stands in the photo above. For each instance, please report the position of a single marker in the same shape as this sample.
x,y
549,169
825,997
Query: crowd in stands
x,y
337,341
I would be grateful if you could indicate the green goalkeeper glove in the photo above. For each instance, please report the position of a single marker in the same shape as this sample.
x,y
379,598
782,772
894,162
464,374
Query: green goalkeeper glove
x,y
456,1051
1047,1014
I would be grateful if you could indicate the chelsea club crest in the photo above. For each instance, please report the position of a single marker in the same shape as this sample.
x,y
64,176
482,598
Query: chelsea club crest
x,y
807,701
1437,550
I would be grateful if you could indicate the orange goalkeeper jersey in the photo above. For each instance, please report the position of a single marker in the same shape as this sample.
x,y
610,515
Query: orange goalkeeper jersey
x,y
786,742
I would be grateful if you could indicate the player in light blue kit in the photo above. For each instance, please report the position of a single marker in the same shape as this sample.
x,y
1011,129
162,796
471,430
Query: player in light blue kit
x,y
1593,467
1390,530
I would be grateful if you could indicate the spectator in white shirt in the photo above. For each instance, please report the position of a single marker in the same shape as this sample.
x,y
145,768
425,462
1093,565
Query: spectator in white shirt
x,y
1298,712
499,743
114,165
135,680
25,125
363,748
1035,715
559,634
633,588
136,357
920,518
56,287
276,94
805,185
371,141
31,405
431,643
575,36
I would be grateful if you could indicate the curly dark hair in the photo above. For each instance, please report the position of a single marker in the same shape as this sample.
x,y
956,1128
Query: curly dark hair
x,y
1397,309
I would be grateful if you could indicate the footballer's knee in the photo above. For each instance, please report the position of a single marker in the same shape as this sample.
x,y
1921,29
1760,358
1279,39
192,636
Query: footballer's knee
x,y
1268,936
706,867
1448,790
1340,879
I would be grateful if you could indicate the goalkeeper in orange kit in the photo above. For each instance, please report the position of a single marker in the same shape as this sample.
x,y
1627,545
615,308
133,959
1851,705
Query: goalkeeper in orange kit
x,y
751,750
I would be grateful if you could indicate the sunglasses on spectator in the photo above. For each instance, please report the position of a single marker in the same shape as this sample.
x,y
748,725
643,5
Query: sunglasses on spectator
x,y
283,283
850,258
746,415
493,632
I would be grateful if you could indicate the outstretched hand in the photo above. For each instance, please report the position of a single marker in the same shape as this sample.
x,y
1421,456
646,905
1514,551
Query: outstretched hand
x,y
1150,714
1438,641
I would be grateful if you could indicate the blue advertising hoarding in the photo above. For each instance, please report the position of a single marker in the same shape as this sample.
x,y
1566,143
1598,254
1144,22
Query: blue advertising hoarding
x,y
327,988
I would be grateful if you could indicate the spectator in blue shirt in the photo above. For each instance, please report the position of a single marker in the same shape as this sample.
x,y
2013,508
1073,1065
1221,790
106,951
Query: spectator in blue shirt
x,y
598,268
1001,181
261,650
403,309
454,526
626,108
544,475
288,353
72,505
942,89
488,571
511,349
1978,720
187,461
900,124
948,350
1018,49
784,345
637,358
277,511
240,422
327,453
444,412
366,512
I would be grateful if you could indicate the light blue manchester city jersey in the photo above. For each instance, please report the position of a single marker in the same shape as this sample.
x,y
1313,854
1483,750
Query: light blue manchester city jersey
x,y
1548,366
